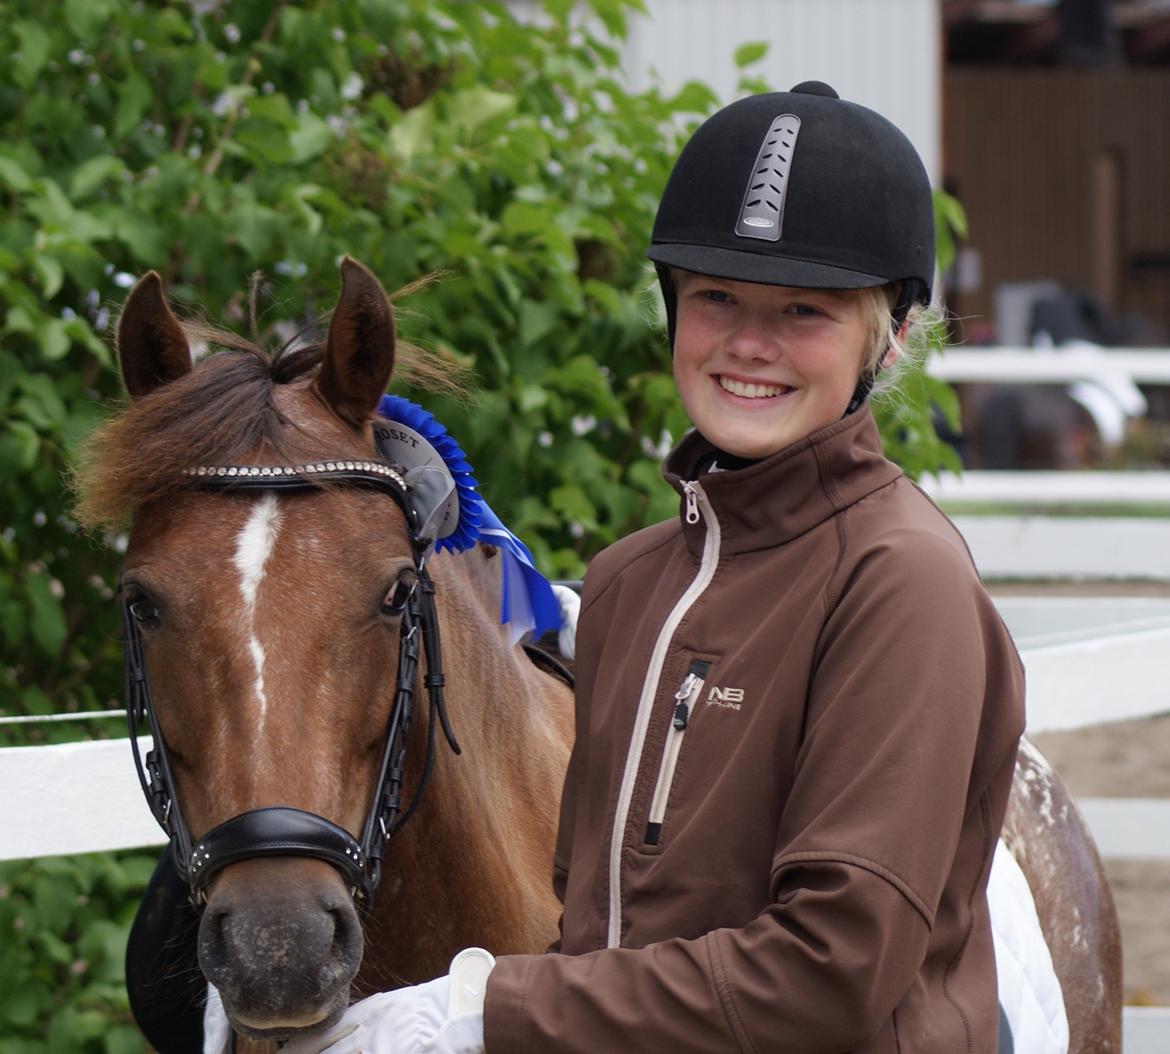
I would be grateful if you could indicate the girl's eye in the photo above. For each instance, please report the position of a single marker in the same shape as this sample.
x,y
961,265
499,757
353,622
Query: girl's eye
x,y
804,310
717,296
395,601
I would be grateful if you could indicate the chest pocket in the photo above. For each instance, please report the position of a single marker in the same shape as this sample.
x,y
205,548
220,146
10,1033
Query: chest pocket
x,y
686,698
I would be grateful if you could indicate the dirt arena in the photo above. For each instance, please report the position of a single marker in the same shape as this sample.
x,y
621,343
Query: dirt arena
x,y
1128,759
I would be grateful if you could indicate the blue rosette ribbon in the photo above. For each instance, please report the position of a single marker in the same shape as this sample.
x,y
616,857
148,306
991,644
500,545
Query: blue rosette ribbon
x,y
527,601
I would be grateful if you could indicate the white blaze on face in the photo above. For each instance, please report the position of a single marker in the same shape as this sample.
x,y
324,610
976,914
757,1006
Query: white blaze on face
x,y
253,547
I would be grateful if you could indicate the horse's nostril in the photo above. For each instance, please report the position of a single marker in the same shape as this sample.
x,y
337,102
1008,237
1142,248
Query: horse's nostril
x,y
347,935
214,958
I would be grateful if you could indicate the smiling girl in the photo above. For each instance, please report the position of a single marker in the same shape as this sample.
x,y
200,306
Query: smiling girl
x,y
797,709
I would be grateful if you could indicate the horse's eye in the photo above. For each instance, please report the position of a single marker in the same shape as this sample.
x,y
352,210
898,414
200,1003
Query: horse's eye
x,y
394,603
143,610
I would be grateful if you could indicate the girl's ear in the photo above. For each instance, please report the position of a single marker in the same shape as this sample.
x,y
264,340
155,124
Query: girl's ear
x,y
893,355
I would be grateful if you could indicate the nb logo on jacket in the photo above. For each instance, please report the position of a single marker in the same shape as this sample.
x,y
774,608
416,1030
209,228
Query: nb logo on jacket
x,y
727,698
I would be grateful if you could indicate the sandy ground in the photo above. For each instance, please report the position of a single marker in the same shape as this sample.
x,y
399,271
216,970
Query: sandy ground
x,y
1122,760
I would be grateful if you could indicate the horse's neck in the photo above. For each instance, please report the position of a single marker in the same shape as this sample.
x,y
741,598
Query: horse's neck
x,y
473,866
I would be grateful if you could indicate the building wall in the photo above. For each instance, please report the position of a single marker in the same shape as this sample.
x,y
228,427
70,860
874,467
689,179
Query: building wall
x,y
885,54
1065,174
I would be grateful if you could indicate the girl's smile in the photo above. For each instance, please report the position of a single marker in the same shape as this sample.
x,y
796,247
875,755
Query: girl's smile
x,y
759,367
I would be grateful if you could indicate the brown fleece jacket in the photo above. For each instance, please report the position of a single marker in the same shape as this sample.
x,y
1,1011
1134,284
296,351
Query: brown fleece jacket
x,y
798,709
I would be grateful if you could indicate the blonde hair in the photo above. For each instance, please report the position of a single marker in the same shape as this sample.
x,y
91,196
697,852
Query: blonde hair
x,y
893,348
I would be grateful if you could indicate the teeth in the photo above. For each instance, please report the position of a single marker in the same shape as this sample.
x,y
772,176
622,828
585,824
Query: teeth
x,y
750,391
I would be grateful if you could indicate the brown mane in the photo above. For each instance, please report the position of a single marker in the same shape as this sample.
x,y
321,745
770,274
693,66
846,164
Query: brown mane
x,y
219,413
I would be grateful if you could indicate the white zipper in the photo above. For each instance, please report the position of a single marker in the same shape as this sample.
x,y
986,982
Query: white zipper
x,y
684,699
696,500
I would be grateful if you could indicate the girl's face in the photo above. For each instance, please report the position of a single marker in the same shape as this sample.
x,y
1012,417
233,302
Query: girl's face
x,y
759,367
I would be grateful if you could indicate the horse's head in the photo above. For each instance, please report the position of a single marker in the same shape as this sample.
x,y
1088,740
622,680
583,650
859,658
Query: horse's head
x,y
269,624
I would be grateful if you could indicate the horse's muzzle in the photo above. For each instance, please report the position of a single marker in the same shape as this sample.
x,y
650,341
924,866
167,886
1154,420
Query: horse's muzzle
x,y
281,953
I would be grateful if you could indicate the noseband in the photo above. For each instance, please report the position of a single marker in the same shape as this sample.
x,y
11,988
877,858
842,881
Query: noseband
x,y
282,830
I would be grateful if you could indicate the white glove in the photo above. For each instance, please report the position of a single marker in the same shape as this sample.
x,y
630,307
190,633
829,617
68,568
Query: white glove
x,y
443,1016
217,1029
570,605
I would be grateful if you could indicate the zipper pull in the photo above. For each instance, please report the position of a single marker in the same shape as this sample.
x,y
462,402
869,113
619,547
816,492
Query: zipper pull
x,y
688,685
682,714
691,489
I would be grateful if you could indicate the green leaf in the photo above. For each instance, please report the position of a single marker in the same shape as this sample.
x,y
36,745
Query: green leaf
x,y
537,321
34,701
274,108
13,176
749,53
19,446
124,1039
51,274
559,9
46,619
571,502
40,402
474,107
310,138
521,217
254,227
90,175
134,96
54,338
51,206
950,223
694,97
21,1008
88,17
266,140
414,131
34,46
77,329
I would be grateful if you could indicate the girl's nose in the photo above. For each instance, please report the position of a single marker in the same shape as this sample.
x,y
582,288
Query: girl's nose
x,y
755,339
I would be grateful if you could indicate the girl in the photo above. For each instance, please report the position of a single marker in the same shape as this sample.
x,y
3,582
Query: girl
x,y
797,708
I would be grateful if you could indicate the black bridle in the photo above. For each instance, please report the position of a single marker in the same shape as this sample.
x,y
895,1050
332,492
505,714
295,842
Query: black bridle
x,y
281,830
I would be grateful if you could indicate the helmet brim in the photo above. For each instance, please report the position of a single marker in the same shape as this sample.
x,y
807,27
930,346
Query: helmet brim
x,y
741,266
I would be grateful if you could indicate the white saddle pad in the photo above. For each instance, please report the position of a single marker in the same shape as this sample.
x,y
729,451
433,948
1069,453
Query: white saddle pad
x,y
1029,990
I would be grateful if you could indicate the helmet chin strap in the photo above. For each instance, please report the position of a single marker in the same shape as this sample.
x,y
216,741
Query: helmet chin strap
x,y
860,393
669,301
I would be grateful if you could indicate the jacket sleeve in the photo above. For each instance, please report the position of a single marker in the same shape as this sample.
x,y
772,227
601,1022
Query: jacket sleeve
x,y
894,765
595,581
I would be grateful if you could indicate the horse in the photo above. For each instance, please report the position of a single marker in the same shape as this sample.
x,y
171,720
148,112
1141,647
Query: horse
x,y
1047,835
291,606
243,599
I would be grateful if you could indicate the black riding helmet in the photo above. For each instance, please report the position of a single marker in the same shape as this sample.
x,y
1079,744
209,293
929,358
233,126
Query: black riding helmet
x,y
798,188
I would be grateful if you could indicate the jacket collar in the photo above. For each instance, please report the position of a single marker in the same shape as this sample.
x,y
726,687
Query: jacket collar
x,y
785,495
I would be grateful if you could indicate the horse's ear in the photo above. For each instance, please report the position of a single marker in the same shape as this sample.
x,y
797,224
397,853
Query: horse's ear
x,y
359,354
152,347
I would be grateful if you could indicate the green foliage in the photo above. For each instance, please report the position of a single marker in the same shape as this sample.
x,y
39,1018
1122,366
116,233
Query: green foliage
x,y
63,927
207,140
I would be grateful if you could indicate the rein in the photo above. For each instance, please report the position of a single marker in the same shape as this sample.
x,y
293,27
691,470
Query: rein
x,y
282,830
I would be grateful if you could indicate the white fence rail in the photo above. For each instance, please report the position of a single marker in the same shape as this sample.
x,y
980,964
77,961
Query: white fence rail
x,y
1087,663
1002,365
84,798
1084,547
1045,489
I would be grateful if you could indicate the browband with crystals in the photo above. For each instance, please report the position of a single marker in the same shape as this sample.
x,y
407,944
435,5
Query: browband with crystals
x,y
292,472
